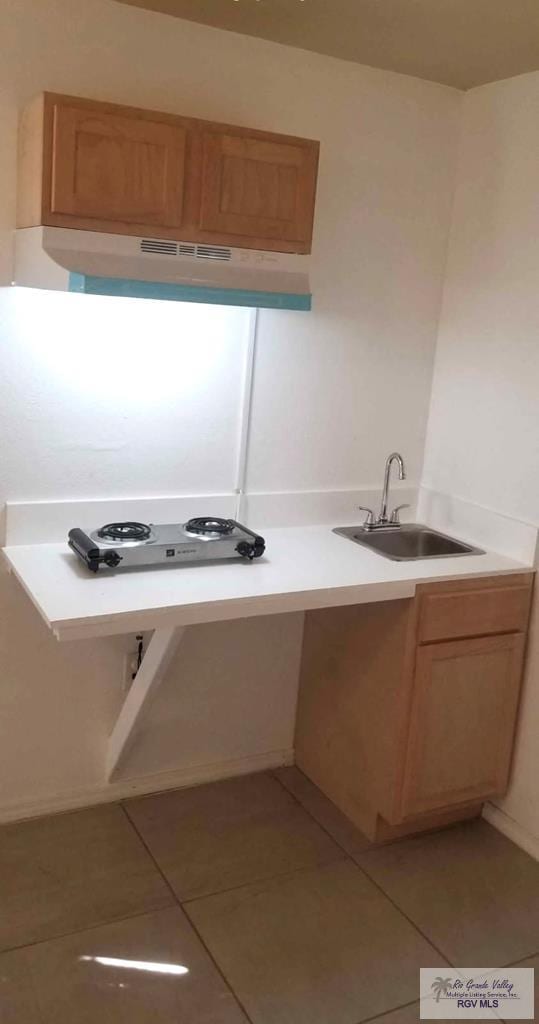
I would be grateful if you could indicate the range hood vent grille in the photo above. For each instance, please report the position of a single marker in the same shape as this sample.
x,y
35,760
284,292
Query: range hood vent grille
x,y
96,263
213,252
161,247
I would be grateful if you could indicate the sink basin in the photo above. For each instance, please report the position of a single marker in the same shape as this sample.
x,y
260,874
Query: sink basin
x,y
408,542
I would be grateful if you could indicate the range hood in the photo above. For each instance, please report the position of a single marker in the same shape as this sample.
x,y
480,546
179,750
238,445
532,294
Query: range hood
x,y
96,263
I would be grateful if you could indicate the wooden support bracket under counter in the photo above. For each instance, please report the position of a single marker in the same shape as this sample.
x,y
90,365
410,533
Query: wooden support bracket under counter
x,y
407,709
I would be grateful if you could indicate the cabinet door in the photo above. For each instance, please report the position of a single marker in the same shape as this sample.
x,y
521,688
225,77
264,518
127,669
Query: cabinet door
x,y
261,190
114,171
462,722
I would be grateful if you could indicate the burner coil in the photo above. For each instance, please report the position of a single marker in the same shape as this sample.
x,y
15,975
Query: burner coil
x,y
205,525
125,531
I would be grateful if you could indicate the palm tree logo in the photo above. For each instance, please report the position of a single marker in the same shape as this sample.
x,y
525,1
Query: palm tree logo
x,y
441,987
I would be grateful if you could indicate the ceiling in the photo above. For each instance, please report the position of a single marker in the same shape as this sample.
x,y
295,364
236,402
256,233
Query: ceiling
x,y
462,43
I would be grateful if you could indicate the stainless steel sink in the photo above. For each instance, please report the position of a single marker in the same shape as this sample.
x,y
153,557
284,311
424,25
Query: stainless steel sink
x,y
408,542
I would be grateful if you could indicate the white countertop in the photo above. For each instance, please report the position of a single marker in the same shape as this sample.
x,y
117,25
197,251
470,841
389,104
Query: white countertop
x,y
305,567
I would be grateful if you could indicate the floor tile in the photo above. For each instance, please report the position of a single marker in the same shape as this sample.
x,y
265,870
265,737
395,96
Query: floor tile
x,y
17,999
406,1015
227,834
471,891
71,871
61,982
410,1014
323,810
322,946
532,961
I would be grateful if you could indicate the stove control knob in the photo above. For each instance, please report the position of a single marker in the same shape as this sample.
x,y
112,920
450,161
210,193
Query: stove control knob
x,y
245,549
112,559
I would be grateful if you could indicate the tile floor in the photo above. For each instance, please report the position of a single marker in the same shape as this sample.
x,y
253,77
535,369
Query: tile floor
x,y
247,900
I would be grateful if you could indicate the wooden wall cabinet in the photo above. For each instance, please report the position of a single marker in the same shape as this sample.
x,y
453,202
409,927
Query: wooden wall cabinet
x,y
103,167
407,709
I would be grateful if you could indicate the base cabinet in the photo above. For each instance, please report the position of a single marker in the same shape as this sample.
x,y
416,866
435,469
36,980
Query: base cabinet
x,y
460,735
404,734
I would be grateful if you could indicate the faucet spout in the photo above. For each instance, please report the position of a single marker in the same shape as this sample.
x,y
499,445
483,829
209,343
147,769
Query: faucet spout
x,y
394,457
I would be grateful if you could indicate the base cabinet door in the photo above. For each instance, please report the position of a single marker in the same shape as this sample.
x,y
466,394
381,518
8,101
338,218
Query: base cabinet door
x,y
462,722
112,170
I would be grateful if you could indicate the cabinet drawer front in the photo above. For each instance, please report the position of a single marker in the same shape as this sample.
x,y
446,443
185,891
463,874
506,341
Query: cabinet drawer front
x,y
115,168
481,612
462,722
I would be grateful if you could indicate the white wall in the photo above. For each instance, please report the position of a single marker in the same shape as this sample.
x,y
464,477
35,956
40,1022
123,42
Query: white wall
x,y
385,186
118,397
334,390
483,440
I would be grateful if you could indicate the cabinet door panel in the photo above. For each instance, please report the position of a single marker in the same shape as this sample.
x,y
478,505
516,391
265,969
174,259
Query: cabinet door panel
x,y
462,721
259,189
116,168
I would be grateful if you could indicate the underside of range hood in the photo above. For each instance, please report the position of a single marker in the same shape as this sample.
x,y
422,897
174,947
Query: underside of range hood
x,y
104,264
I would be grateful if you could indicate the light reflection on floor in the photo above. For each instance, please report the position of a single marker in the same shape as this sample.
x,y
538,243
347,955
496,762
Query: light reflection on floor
x,y
138,965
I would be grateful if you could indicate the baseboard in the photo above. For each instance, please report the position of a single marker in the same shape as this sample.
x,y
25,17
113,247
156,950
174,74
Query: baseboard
x,y
129,787
511,828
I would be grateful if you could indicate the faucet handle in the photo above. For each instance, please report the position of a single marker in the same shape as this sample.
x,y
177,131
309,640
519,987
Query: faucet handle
x,y
369,522
395,520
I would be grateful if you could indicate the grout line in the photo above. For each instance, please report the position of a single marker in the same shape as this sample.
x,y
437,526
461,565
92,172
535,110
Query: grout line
x,y
340,854
265,879
88,928
346,856
352,857
149,852
406,916
374,849
347,853
515,963
178,904
360,851
380,1016
219,969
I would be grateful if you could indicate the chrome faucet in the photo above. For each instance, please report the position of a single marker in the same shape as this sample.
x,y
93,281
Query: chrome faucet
x,y
394,457
383,522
